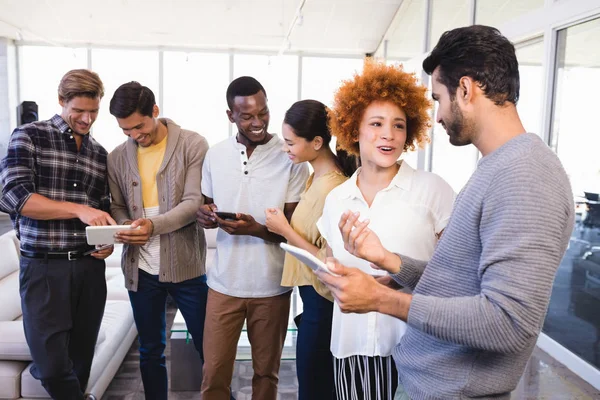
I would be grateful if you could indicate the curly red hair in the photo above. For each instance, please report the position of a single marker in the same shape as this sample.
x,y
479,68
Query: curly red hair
x,y
379,82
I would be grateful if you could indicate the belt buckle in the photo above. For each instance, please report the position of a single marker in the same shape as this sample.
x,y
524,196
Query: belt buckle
x,y
69,255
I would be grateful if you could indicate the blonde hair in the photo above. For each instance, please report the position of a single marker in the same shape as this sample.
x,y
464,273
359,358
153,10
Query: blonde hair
x,y
80,82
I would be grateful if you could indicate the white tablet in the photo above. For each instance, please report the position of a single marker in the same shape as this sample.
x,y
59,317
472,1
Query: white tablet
x,y
103,234
311,261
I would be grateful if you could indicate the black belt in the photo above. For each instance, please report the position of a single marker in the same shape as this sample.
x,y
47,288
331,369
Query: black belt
x,y
56,255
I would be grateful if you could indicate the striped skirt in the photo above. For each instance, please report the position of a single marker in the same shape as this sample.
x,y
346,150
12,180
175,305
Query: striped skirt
x,y
365,378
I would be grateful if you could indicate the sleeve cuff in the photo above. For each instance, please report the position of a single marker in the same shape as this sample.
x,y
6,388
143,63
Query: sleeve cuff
x,y
409,273
158,225
418,313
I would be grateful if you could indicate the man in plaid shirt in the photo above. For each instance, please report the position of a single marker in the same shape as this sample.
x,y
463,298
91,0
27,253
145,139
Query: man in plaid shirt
x,y
55,183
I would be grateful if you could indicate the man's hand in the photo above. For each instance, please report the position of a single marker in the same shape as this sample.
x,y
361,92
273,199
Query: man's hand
x,y
353,290
245,224
276,221
93,216
206,216
102,254
139,234
362,242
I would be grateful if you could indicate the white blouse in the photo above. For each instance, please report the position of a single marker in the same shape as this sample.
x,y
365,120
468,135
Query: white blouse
x,y
406,216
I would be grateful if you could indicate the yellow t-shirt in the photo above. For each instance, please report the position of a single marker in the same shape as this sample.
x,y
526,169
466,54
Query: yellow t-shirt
x,y
304,222
149,160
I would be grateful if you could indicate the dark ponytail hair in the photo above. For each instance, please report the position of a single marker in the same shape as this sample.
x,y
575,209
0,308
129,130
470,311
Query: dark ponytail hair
x,y
308,119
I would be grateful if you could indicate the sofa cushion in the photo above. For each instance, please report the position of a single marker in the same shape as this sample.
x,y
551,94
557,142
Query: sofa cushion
x,y
10,256
10,379
116,323
10,299
13,345
115,288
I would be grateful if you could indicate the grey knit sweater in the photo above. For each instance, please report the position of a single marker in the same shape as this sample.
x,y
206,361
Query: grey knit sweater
x,y
480,302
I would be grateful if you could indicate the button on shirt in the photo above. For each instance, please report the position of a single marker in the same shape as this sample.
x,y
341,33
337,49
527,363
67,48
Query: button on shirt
x,y
247,266
42,158
406,216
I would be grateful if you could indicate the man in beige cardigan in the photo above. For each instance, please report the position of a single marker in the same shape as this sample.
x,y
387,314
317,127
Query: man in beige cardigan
x,y
154,180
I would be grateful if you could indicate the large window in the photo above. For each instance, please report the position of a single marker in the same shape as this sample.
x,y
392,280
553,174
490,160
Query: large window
x,y
530,55
495,13
573,317
321,76
116,67
40,70
279,77
194,92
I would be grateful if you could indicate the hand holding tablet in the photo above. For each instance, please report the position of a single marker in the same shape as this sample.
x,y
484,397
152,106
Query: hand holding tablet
x,y
311,261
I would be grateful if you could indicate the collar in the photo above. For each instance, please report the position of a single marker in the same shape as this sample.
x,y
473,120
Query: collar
x,y
403,180
60,123
273,142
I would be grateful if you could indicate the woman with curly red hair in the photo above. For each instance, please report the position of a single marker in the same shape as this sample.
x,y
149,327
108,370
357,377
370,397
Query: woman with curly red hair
x,y
378,115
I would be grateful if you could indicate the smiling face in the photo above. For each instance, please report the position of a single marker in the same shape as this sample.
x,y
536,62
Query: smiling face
x,y
251,116
298,148
382,134
141,128
80,113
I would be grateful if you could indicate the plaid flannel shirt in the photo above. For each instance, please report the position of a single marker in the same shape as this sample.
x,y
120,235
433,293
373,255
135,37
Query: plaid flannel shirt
x,y
42,158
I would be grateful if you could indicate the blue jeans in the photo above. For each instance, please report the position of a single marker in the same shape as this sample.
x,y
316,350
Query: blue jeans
x,y
149,312
314,362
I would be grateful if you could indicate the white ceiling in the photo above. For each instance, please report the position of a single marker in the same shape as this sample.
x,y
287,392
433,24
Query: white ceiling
x,y
327,26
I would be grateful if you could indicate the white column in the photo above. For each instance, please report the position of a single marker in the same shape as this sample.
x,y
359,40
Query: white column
x,y
8,92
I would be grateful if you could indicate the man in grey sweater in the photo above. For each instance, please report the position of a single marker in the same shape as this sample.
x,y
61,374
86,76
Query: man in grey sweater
x,y
478,305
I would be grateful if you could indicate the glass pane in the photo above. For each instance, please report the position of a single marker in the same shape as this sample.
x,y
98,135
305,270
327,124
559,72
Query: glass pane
x,y
194,92
406,38
453,163
279,77
321,76
115,68
446,15
41,69
496,13
530,57
573,318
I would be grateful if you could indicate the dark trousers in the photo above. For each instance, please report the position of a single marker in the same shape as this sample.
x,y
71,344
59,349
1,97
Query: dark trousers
x,y
314,362
63,304
149,312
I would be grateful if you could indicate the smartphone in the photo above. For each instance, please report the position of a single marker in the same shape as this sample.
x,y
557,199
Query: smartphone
x,y
226,215
106,246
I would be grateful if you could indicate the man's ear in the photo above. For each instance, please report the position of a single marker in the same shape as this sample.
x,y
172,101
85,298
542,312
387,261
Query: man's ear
x,y
317,143
155,111
466,90
230,116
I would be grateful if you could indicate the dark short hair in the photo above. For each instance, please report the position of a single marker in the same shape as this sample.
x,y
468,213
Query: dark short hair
x,y
131,97
481,53
243,86
308,119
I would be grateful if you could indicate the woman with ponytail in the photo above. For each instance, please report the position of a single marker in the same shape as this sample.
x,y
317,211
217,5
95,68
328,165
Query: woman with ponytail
x,y
306,139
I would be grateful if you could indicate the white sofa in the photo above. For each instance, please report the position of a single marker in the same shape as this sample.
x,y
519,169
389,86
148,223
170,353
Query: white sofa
x,y
117,331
